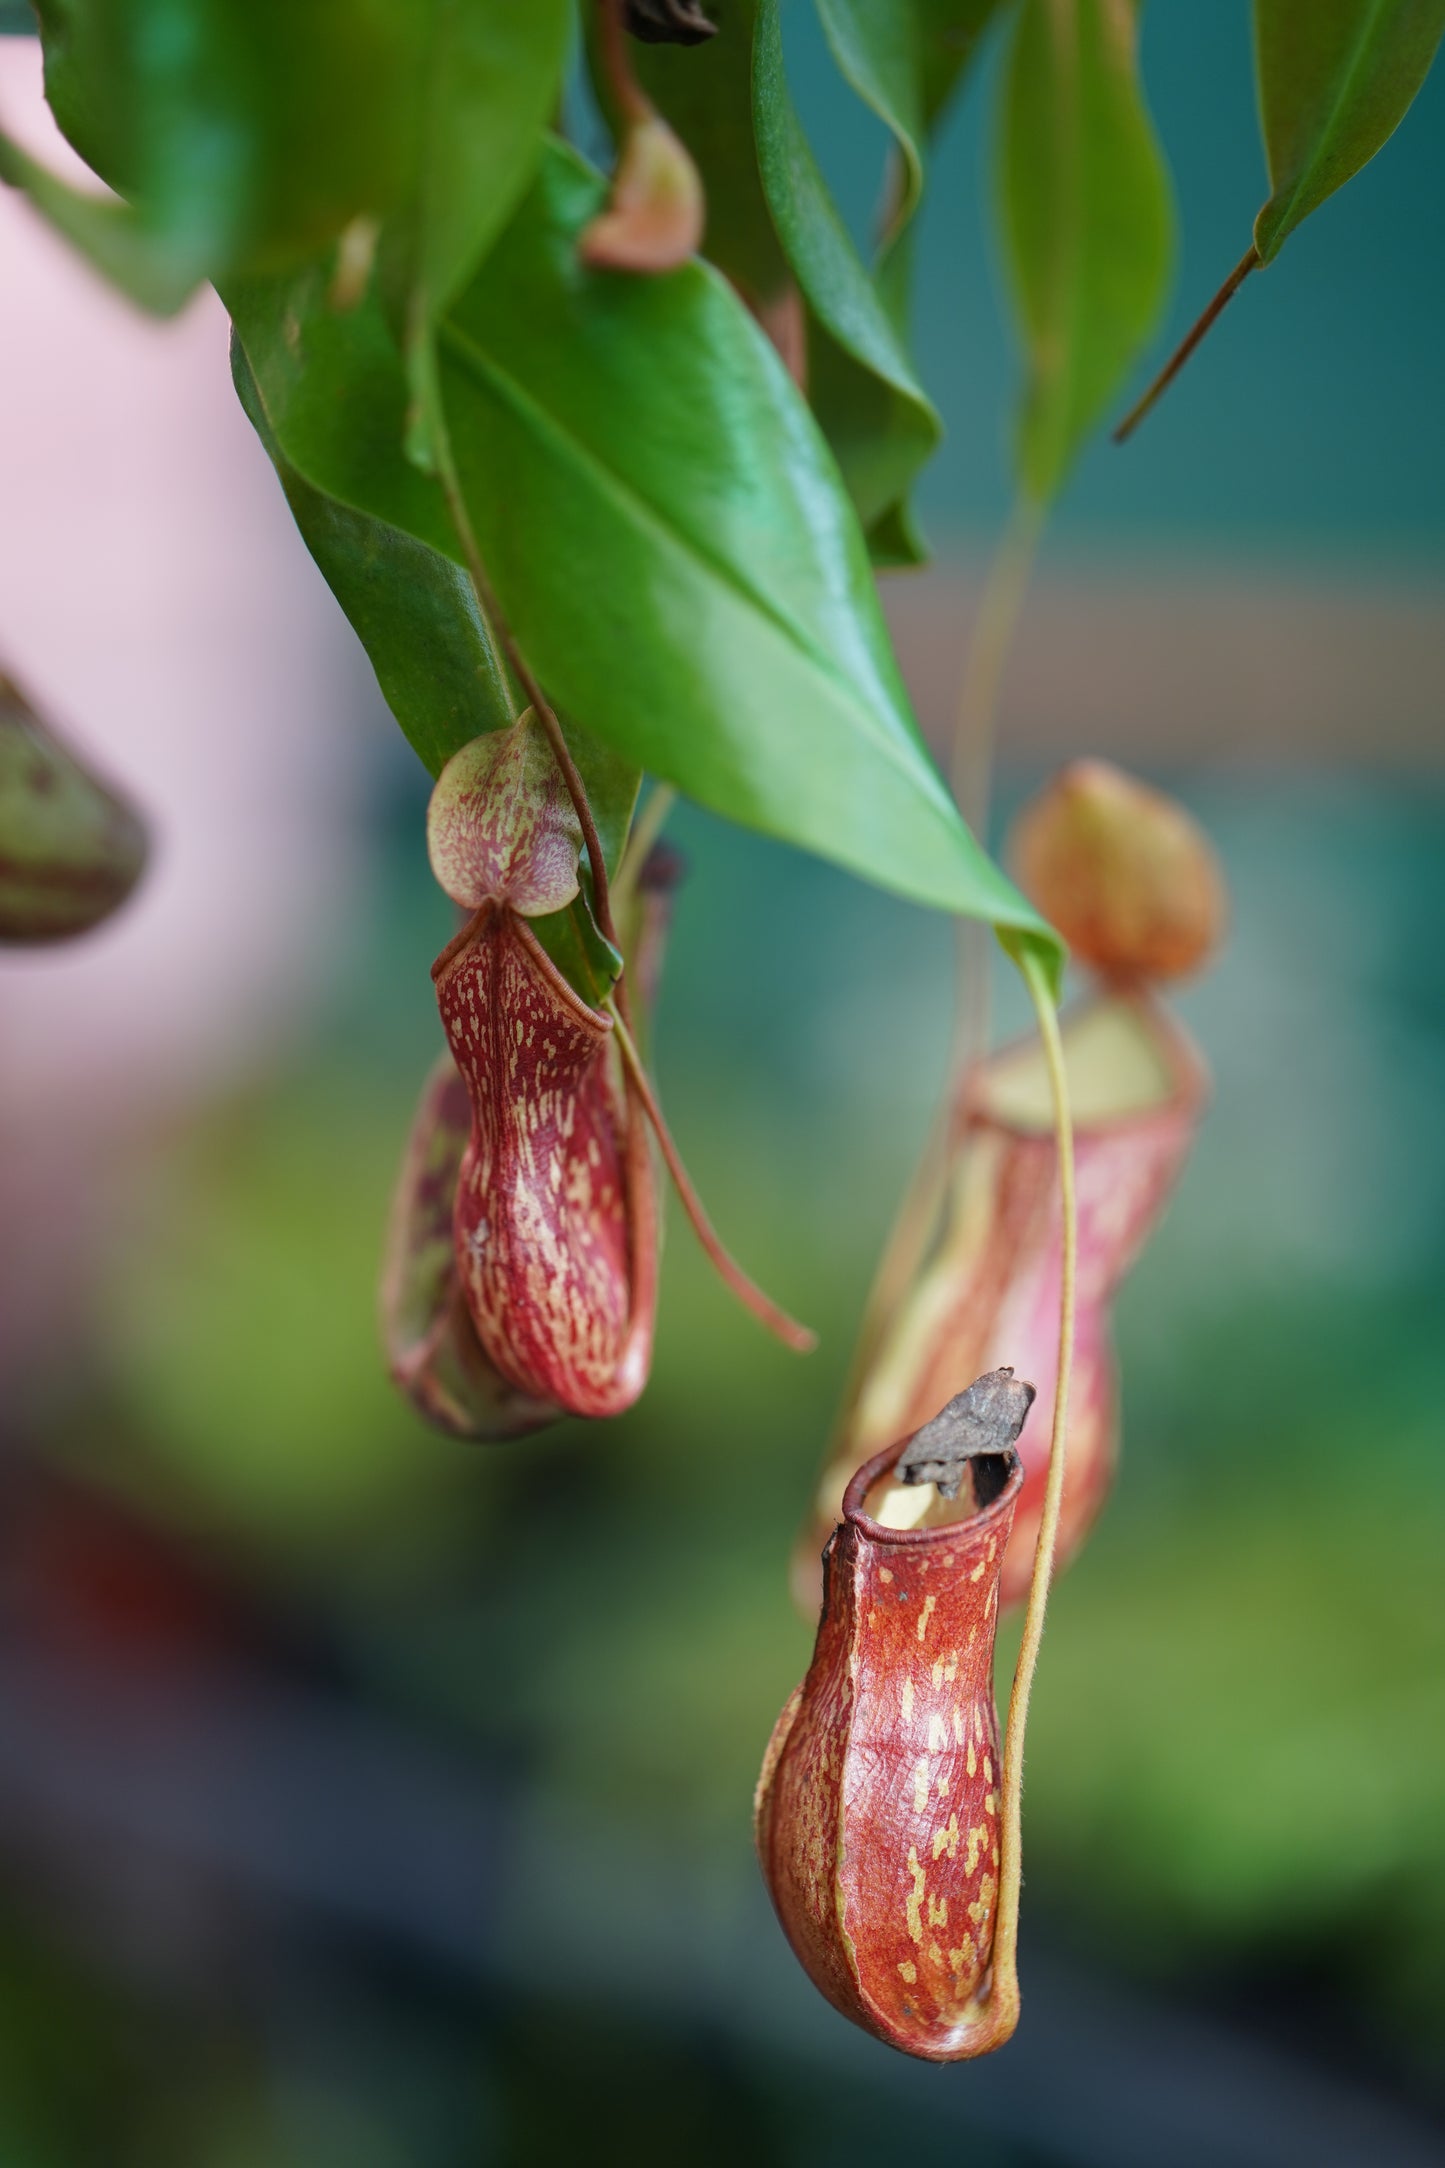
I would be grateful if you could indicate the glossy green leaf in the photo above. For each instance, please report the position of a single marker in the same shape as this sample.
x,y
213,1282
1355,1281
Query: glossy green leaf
x,y
408,598
412,608
874,412
664,528
1087,220
905,59
334,390
1336,78
415,612
492,75
771,224
667,535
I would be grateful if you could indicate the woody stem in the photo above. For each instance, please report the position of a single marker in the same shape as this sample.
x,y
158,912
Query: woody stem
x,y
749,1294
1004,1991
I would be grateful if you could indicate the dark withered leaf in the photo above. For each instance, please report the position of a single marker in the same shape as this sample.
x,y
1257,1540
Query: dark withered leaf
x,y
668,22
986,1417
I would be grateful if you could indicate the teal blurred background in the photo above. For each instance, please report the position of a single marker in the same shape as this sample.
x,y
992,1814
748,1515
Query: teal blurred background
x,y
368,1800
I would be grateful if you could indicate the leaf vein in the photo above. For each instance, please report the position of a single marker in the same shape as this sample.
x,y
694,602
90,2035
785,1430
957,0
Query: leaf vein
x,y
909,758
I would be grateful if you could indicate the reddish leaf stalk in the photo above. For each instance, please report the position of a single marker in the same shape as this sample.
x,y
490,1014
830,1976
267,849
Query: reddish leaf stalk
x,y
632,101
749,1294
1248,262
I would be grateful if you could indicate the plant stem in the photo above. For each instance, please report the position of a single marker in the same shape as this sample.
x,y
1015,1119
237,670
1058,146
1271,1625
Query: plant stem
x,y
786,1329
1000,607
1248,262
633,105
1003,1997
975,731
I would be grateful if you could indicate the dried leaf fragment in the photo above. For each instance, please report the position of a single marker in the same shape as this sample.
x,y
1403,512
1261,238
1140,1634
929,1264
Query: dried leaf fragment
x,y
986,1417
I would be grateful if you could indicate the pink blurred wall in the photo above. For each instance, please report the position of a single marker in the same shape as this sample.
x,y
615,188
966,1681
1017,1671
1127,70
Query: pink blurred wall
x,y
158,605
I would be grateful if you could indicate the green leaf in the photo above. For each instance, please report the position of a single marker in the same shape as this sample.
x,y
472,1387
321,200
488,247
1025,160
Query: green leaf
x,y
948,35
492,76
666,532
334,392
242,130
585,958
412,608
664,528
1087,220
250,134
1336,78
416,614
877,46
906,59
874,412
770,222
410,602
114,239
706,93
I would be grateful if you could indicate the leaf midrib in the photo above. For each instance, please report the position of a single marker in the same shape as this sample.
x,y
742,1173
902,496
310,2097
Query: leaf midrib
x,y
906,757
1346,81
